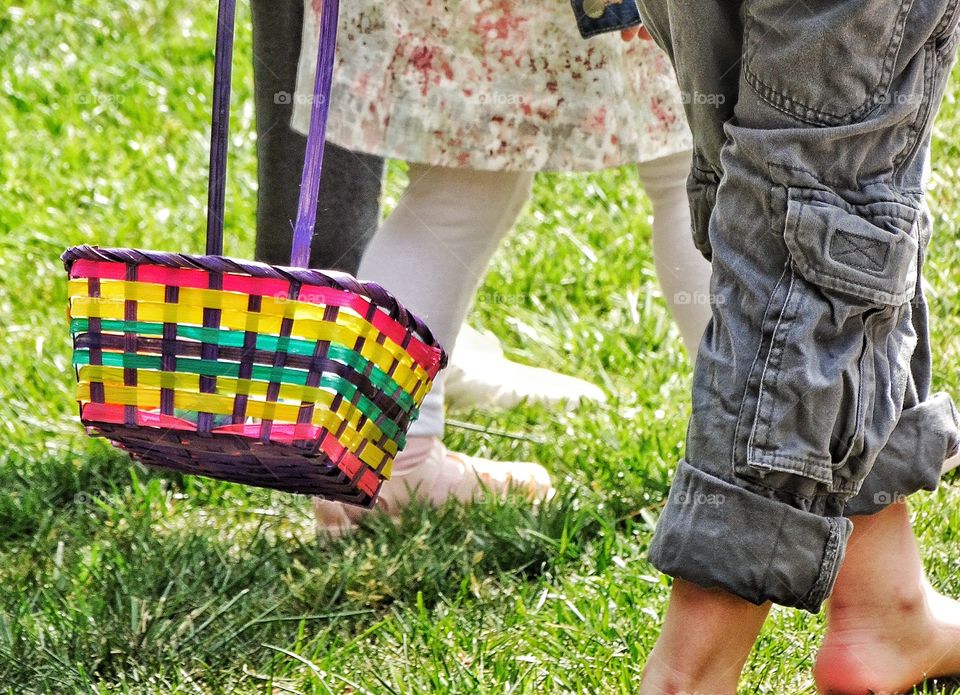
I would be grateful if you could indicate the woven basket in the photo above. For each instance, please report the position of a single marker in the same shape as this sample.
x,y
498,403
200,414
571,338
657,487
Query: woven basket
x,y
281,377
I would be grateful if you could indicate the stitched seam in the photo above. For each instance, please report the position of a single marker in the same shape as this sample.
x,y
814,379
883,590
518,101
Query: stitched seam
x,y
860,209
940,31
877,295
916,127
813,469
861,251
759,487
760,420
787,319
810,115
776,547
883,180
746,389
814,459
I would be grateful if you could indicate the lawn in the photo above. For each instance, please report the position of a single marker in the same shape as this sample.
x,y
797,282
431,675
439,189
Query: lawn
x,y
117,579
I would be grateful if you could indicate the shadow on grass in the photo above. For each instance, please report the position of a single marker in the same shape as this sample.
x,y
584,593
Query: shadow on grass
x,y
147,573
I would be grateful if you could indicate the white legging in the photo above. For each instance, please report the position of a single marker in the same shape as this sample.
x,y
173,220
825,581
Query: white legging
x,y
434,248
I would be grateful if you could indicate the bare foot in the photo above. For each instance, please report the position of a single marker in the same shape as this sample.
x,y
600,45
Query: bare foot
x,y
890,649
706,638
888,630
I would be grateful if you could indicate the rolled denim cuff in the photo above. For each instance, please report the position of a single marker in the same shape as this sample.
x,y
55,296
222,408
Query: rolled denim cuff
x,y
600,16
912,459
715,534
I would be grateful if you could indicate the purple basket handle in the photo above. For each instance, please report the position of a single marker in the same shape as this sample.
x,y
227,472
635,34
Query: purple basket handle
x,y
220,125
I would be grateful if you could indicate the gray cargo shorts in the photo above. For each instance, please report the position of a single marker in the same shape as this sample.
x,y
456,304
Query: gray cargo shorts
x,y
811,395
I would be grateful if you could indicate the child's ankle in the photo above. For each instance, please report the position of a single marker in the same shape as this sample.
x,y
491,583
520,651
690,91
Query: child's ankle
x,y
900,601
415,454
689,679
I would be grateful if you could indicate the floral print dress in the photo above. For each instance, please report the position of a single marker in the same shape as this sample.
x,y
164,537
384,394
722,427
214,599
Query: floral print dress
x,y
492,84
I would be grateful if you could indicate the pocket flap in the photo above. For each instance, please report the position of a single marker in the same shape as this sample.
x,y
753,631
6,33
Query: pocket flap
x,y
841,251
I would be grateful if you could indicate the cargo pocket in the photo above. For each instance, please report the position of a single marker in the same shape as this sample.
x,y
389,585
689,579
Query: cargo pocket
x,y
825,350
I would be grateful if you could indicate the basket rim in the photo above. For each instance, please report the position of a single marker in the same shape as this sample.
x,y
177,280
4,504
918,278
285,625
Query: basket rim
x,y
333,279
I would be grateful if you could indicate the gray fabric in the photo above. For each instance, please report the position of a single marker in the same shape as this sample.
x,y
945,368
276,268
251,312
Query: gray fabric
x,y
349,209
811,126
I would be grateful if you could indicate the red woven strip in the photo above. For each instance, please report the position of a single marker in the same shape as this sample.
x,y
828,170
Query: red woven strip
x,y
368,481
97,269
174,277
92,413
183,277
266,287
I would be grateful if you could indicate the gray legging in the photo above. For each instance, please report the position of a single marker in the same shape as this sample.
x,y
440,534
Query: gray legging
x,y
349,211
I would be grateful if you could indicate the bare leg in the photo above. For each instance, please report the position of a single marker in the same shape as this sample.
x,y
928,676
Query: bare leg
x,y
706,638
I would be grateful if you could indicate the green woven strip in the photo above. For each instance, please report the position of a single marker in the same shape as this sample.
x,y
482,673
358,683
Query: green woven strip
x,y
270,343
282,375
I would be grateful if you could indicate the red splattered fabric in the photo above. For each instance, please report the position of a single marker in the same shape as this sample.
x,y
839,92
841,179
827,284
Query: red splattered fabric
x,y
492,84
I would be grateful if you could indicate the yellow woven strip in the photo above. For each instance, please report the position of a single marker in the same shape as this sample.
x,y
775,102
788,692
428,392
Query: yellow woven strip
x,y
146,398
192,301
308,320
227,386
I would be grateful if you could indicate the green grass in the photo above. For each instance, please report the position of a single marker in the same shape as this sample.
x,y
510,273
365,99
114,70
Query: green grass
x,y
116,579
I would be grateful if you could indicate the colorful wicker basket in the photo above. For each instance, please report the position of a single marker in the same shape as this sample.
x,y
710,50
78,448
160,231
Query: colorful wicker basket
x,y
281,377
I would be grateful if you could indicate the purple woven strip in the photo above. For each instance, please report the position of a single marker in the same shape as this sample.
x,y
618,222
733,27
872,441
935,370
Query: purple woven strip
x,y
220,126
279,362
209,352
96,355
247,357
305,415
168,350
130,347
310,182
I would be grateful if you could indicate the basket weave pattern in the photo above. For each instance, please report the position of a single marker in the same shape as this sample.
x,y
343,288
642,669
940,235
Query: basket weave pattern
x,y
294,379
